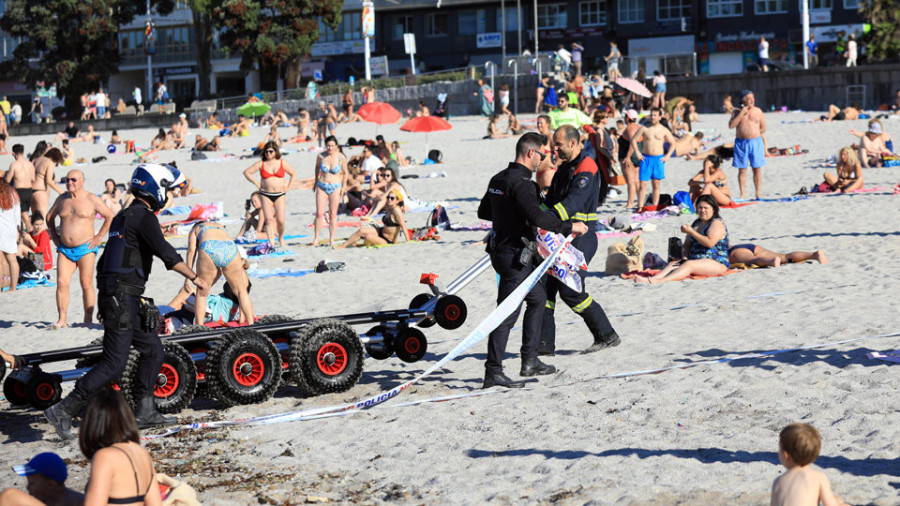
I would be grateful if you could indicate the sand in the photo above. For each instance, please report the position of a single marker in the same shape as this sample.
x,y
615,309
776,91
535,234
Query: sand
x,y
701,435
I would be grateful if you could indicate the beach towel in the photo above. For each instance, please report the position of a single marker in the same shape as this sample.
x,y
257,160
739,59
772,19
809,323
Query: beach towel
x,y
175,210
31,283
242,240
735,205
268,273
204,212
264,250
893,356
792,198
483,225
646,273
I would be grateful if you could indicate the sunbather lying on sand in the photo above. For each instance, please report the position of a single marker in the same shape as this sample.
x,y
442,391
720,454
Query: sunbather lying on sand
x,y
754,254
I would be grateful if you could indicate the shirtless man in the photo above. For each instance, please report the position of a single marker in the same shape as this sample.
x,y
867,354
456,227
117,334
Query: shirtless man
x,y
44,179
304,133
76,242
835,113
202,144
652,156
21,176
749,147
871,146
688,144
547,168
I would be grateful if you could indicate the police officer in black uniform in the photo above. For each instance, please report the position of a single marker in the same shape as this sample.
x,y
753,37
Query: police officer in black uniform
x,y
574,193
122,272
513,204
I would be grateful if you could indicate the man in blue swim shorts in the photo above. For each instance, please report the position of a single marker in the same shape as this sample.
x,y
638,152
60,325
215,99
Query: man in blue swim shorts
x,y
654,155
749,144
76,242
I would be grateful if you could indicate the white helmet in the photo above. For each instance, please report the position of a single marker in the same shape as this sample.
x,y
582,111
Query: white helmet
x,y
151,182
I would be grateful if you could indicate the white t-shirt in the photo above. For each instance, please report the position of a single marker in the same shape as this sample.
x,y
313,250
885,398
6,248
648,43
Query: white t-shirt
x,y
851,49
371,164
137,95
764,49
101,99
565,55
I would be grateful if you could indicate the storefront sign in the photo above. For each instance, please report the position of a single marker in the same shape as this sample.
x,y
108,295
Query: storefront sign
x,y
320,49
830,33
680,44
741,42
489,40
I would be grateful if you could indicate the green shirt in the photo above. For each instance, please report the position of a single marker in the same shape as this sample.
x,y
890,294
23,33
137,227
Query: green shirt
x,y
572,117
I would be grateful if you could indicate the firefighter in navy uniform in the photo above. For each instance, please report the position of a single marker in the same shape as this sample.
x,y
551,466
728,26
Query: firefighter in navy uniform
x,y
513,204
573,195
122,272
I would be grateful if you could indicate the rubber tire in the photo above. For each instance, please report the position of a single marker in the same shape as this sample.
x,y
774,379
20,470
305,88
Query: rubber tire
x,y
450,312
382,350
316,339
411,345
14,391
417,302
286,335
177,366
241,342
43,390
199,365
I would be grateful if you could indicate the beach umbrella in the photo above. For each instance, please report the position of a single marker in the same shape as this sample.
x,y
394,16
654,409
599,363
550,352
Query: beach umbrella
x,y
634,86
253,109
380,113
426,124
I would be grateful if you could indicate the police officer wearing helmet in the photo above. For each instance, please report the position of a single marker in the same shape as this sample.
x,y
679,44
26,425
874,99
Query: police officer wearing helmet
x,y
128,320
513,204
573,195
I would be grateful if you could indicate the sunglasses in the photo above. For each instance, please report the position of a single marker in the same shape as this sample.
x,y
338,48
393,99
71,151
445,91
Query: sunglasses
x,y
270,151
69,179
392,198
542,155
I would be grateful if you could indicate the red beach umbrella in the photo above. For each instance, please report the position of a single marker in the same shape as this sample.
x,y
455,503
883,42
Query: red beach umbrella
x,y
634,86
426,124
380,113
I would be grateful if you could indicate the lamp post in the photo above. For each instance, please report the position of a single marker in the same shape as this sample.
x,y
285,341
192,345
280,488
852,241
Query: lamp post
x,y
148,33
514,63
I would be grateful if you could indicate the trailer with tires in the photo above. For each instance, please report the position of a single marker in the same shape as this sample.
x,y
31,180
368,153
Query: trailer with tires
x,y
246,364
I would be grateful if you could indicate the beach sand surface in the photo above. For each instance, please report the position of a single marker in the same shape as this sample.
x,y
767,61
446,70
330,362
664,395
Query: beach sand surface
x,y
706,434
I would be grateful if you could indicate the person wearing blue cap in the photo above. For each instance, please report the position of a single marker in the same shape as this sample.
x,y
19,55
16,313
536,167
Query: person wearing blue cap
x,y
46,474
749,145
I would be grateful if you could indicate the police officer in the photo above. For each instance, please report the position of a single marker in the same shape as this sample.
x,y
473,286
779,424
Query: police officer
x,y
122,272
512,203
573,195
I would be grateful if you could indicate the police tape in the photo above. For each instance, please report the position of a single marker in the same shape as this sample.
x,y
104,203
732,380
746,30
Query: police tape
x,y
310,415
500,313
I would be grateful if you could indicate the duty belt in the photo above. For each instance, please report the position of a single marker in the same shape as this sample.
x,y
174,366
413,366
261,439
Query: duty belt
x,y
109,286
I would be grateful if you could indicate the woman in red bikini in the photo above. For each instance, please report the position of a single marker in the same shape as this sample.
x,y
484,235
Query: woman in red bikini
x,y
272,187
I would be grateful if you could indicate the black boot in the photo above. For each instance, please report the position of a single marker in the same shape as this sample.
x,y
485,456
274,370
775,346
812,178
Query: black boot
x,y
147,416
534,367
60,414
498,379
607,341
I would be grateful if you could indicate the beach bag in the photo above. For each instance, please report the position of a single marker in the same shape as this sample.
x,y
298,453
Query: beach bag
x,y
617,180
439,218
37,259
665,200
621,257
176,493
436,156
676,248
683,198
214,211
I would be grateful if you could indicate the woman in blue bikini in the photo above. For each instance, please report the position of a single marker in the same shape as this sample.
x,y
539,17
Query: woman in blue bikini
x,y
705,246
272,185
215,255
331,170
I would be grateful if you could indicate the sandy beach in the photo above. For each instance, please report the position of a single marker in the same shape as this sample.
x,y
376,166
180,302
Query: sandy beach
x,y
705,434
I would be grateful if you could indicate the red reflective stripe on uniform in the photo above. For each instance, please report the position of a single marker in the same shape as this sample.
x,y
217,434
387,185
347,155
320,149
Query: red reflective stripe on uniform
x,y
587,165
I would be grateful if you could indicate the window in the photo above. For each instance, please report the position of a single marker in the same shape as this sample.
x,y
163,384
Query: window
x,y
631,11
551,16
851,5
510,19
770,6
472,22
349,29
592,13
402,24
724,8
818,5
673,9
436,24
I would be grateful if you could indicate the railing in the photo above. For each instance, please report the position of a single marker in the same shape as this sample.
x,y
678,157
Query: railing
x,y
666,64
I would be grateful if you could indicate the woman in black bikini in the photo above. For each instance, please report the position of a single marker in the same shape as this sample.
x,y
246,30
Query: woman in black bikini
x,y
122,470
393,225
272,186
711,181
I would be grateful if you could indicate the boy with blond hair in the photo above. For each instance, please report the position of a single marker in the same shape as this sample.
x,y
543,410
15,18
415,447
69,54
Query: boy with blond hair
x,y
798,448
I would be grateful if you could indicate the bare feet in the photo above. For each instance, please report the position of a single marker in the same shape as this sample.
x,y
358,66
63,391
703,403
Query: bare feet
x,y
314,243
776,262
820,256
642,280
59,325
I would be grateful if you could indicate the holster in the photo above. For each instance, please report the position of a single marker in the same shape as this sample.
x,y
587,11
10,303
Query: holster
x,y
149,315
529,250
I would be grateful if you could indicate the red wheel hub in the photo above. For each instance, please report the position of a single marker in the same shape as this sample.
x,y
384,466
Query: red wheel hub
x,y
45,391
166,381
332,359
411,345
19,389
248,369
452,312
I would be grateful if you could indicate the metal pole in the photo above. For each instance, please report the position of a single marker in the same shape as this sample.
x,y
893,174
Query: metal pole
x,y
519,23
804,18
368,56
535,28
149,99
515,65
503,27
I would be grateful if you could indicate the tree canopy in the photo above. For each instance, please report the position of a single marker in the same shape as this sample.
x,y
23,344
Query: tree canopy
x,y
883,40
272,32
74,44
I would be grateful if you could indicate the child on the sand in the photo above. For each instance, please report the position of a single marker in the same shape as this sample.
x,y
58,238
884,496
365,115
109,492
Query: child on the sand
x,y
798,447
